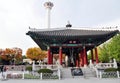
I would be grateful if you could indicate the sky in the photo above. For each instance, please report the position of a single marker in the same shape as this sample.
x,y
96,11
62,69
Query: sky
x,y
17,15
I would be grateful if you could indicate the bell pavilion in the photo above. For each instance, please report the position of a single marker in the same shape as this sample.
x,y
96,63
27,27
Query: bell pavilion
x,y
74,43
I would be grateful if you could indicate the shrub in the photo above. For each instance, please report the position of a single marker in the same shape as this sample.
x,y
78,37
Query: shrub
x,y
30,76
110,70
29,68
118,69
45,71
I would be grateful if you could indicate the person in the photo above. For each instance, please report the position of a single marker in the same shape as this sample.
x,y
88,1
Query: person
x,y
22,69
2,69
72,65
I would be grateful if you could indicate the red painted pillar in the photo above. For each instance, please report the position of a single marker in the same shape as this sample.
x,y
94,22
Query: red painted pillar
x,y
51,58
96,55
86,59
77,64
60,55
48,55
92,56
81,59
85,56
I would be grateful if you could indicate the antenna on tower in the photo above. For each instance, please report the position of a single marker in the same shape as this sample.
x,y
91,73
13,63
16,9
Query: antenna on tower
x,y
48,5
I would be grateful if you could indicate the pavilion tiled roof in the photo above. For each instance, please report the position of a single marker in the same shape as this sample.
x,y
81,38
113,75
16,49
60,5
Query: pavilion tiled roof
x,y
61,36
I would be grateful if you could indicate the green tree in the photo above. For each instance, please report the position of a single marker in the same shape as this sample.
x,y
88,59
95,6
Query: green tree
x,y
114,47
104,53
24,57
110,50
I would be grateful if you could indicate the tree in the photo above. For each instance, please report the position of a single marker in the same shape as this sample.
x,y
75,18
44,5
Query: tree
x,y
114,47
7,54
11,55
17,56
24,57
104,53
43,54
110,50
36,54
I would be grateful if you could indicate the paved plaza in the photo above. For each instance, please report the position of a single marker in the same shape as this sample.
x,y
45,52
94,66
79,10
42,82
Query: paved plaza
x,y
67,80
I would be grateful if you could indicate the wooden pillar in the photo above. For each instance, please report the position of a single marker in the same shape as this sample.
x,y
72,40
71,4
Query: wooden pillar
x,y
48,55
92,56
77,63
51,58
60,55
85,56
96,55
81,58
86,59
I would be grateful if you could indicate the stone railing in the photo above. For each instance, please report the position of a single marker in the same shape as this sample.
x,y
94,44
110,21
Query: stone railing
x,y
104,65
100,67
102,74
30,75
13,74
109,74
41,66
15,67
52,67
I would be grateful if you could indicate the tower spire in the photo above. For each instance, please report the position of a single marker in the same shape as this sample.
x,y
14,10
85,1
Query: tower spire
x,y
48,5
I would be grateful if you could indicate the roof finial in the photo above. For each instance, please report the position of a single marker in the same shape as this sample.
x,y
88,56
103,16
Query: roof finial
x,y
68,22
68,25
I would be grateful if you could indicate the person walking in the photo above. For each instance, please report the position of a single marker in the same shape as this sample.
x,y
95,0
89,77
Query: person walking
x,y
2,70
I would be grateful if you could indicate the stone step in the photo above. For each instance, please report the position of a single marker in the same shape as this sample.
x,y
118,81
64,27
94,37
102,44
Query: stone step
x,y
88,72
66,73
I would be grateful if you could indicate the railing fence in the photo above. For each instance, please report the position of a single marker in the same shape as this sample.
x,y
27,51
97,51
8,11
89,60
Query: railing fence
x,y
31,75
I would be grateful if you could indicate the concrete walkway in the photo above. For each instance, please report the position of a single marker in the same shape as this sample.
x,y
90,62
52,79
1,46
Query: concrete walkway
x,y
68,80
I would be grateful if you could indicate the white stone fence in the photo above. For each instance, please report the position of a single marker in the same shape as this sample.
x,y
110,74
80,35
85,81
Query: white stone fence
x,y
102,74
13,74
30,75
100,67
41,66
104,65
109,74
52,67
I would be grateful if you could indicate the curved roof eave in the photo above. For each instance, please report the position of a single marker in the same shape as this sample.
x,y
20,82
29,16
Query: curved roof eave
x,y
61,35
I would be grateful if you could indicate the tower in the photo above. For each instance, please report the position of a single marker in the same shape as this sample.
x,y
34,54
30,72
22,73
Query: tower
x,y
48,5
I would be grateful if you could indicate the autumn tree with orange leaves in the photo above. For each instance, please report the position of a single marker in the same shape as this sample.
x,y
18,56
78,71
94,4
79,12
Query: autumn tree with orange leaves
x,y
10,55
36,54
